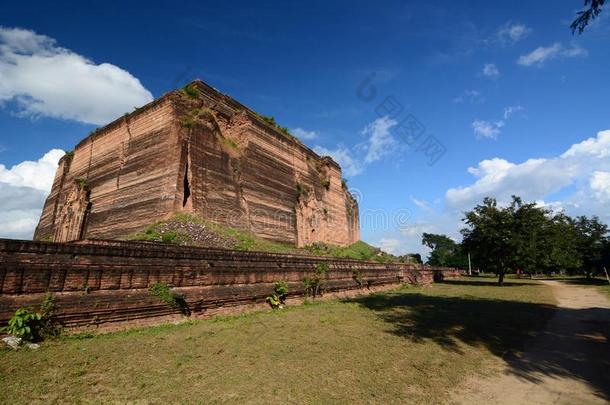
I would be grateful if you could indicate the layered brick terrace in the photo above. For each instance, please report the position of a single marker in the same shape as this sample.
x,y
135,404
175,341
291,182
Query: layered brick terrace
x,y
104,284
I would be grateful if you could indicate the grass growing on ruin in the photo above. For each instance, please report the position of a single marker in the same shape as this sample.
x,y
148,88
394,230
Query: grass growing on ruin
x,y
188,229
410,345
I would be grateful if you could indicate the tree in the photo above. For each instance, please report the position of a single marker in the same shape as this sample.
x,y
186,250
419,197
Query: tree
x,y
561,252
591,240
445,251
587,15
489,237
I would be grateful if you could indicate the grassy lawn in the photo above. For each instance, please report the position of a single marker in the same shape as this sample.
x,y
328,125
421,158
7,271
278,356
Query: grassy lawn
x,y
409,345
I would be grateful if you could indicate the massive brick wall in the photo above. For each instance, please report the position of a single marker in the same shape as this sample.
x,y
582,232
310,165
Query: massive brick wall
x,y
208,155
102,283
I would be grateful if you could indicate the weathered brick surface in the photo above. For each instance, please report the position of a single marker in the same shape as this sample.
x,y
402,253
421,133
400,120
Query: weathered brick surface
x,y
210,156
102,282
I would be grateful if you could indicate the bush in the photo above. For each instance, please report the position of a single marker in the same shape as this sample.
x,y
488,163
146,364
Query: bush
x,y
278,296
191,91
24,324
357,277
49,327
313,285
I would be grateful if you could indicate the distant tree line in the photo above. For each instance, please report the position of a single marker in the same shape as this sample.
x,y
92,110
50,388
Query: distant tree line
x,y
526,238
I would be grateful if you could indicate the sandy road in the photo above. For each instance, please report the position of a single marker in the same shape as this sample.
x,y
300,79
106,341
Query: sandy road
x,y
568,363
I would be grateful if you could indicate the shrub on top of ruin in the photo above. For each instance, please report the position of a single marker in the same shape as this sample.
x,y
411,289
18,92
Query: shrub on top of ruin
x,y
69,156
271,121
191,91
278,296
344,184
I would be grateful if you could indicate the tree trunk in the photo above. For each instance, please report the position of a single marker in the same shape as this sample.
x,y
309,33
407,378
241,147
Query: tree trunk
x,y
501,278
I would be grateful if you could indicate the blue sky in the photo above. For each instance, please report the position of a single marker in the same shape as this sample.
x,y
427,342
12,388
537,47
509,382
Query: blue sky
x,y
516,101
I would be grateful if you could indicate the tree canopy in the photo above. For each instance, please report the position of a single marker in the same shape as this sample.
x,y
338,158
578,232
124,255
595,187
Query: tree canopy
x,y
526,237
592,10
445,251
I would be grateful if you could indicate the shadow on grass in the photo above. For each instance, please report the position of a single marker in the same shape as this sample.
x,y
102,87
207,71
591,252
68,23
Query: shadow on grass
x,y
487,282
579,280
573,345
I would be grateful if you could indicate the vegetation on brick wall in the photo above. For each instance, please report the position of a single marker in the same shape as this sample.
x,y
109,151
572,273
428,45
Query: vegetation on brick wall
x,y
24,324
69,156
302,191
357,277
163,292
313,286
190,230
271,121
278,297
191,91
49,326
81,183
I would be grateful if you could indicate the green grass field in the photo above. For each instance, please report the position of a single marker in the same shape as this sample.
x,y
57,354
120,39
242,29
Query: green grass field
x,y
409,345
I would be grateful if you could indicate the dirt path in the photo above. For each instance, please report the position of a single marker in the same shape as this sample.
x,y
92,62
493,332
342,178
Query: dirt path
x,y
568,363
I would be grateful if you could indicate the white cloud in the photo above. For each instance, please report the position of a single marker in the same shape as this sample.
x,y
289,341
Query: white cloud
x,y
38,175
422,204
342,155
380,142
304,134
512,33
471,96
491,129
584,166
600,184
542,54
487,129
389,245
490,70
23,189
47,80
512,109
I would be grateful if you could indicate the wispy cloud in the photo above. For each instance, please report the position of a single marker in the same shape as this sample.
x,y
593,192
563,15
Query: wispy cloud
x,y
471,96
511,33
512,109
379,143
490,70
487,129
491,129
542,54
304,134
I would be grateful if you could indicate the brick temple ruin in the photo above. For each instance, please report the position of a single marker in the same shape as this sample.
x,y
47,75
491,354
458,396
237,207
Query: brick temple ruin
x,y
198,151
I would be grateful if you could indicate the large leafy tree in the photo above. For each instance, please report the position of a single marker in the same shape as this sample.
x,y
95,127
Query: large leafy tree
x,y
489,237
530,238
591,242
